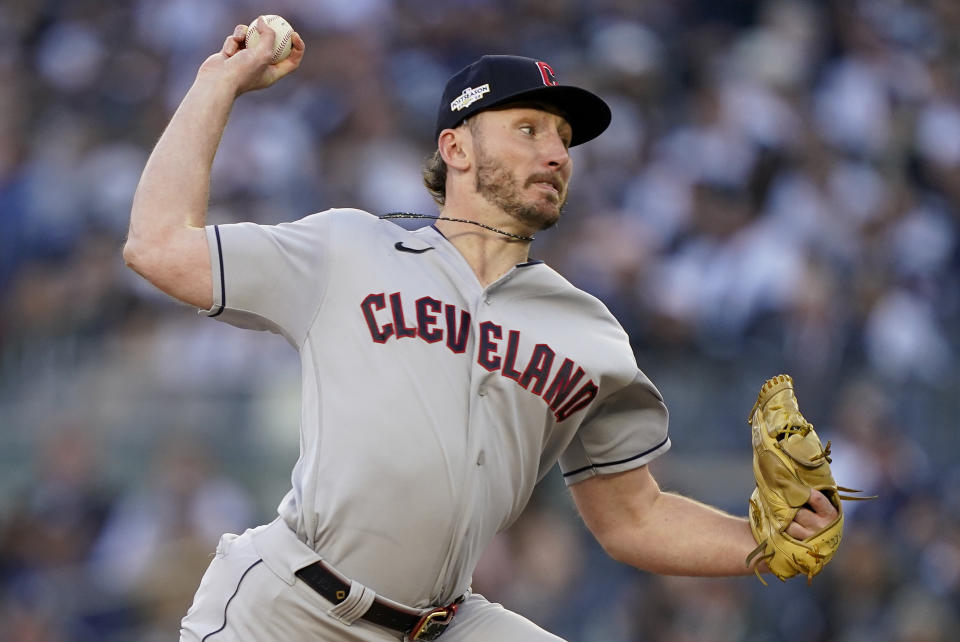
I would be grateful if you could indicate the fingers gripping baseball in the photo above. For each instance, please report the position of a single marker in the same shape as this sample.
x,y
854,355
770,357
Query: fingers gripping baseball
x,y
234,41
254,67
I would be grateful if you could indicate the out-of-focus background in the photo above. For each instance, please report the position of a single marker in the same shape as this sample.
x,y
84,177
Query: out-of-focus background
x,y
779,192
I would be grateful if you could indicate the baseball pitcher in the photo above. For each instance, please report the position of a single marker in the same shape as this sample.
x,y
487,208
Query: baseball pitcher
x,y
482,370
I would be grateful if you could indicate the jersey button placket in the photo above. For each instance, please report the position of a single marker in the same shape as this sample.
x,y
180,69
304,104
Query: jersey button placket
x,y
487,299
475,426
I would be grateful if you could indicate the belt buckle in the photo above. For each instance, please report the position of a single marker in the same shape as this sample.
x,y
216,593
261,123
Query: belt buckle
x,y
434,623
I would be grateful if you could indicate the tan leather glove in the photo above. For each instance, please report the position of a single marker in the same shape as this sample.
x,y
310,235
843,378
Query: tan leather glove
x,y
788,461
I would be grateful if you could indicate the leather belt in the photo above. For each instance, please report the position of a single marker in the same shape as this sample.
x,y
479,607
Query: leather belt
x,y
416,625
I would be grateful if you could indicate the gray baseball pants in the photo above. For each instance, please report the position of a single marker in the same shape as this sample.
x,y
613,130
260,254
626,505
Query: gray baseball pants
x,y
250,592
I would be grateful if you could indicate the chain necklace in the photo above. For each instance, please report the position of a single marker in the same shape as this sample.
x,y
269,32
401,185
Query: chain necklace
x,y
457,220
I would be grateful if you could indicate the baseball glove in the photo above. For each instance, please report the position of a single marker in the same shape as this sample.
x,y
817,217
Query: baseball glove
x,y
788,461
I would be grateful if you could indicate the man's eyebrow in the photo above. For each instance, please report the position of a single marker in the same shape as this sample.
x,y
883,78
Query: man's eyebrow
x,y
563,124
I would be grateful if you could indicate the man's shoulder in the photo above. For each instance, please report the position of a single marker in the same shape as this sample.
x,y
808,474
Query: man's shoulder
x,y
353,220
559,285
589,304
345,216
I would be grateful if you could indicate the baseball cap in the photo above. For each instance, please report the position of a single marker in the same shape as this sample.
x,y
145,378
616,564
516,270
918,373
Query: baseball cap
x,y
498,80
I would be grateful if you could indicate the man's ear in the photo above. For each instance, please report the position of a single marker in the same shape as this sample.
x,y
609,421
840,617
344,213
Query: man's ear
x,y
454,148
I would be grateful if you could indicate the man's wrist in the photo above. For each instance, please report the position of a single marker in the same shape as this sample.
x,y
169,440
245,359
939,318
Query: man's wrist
x,y
216,86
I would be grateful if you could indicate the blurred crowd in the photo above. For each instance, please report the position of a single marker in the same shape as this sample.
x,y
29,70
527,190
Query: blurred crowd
x,y
779,191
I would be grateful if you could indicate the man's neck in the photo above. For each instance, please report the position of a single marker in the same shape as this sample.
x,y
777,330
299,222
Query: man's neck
x,y
490,254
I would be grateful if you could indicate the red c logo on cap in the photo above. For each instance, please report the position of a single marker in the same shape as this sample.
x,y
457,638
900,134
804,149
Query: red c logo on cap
x,y
546,72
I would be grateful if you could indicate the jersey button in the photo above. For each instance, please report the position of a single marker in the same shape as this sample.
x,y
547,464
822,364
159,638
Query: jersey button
x,y
481,458
482,391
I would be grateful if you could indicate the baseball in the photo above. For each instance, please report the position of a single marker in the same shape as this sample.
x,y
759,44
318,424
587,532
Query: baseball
x,y
281,48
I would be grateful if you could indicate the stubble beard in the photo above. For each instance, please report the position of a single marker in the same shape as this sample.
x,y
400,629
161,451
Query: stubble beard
x,y
497,185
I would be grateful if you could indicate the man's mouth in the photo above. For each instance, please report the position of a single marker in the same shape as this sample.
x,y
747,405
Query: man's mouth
x,y
547,184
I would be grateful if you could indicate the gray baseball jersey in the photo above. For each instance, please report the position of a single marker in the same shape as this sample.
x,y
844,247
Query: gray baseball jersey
x,y
431,405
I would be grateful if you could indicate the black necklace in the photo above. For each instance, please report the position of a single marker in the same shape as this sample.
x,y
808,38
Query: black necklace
x,y
457,220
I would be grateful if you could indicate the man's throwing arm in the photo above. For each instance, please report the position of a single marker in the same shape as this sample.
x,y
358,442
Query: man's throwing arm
x,y
166,243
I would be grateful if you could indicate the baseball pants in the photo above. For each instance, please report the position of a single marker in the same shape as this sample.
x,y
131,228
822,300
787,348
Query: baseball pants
x,y
249,592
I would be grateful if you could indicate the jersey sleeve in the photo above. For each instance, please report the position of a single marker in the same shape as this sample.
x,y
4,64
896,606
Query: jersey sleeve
x,y
627,430
270,277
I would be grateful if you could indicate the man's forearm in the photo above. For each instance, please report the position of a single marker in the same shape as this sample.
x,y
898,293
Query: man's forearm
x,y
681,536
175,185
640,525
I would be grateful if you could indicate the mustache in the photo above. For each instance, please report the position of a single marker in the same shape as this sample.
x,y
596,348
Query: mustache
x,y
545,178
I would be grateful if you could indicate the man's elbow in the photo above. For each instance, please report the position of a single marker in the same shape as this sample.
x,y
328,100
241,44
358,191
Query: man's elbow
x,y
626,538
613,542
633,550
143,258
616,548
177,264
130,252
135,255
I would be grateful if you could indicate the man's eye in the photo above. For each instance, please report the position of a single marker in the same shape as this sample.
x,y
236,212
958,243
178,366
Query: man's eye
x,y
527,129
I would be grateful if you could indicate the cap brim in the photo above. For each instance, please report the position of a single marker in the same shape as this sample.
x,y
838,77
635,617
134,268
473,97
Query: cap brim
x,y
586,112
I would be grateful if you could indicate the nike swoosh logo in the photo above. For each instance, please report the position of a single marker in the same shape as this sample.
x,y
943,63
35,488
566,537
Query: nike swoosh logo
x,y
403,248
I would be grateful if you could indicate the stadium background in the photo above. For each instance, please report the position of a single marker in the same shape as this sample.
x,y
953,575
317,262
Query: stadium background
x,y
779,192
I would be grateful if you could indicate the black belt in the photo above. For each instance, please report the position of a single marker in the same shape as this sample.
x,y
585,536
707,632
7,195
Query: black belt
x,y
414,624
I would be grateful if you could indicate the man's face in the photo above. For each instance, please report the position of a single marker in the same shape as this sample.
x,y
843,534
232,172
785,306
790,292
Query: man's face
x,y
522,161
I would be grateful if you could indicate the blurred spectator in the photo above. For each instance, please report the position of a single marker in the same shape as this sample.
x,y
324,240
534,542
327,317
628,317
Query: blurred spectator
x,y
158,537
45,540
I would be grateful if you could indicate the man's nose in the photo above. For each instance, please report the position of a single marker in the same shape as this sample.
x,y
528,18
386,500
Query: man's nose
x,y
556,153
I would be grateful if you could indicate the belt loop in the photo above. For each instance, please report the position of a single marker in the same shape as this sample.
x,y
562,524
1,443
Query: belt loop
x,y
354,605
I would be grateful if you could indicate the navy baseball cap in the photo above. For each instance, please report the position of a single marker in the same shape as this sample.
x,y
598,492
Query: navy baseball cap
x,y
494,81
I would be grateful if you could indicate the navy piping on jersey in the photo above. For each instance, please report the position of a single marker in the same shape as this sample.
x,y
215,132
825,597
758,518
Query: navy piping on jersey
x,y
227,605
223,283
621,461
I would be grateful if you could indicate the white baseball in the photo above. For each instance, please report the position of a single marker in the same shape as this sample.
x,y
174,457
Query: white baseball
x,y
282,45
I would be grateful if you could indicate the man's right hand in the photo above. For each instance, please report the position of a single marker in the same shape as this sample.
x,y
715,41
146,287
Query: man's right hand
x,y
250,69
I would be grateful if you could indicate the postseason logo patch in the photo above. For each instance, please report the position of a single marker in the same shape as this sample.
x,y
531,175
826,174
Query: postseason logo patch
x,y
469,96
